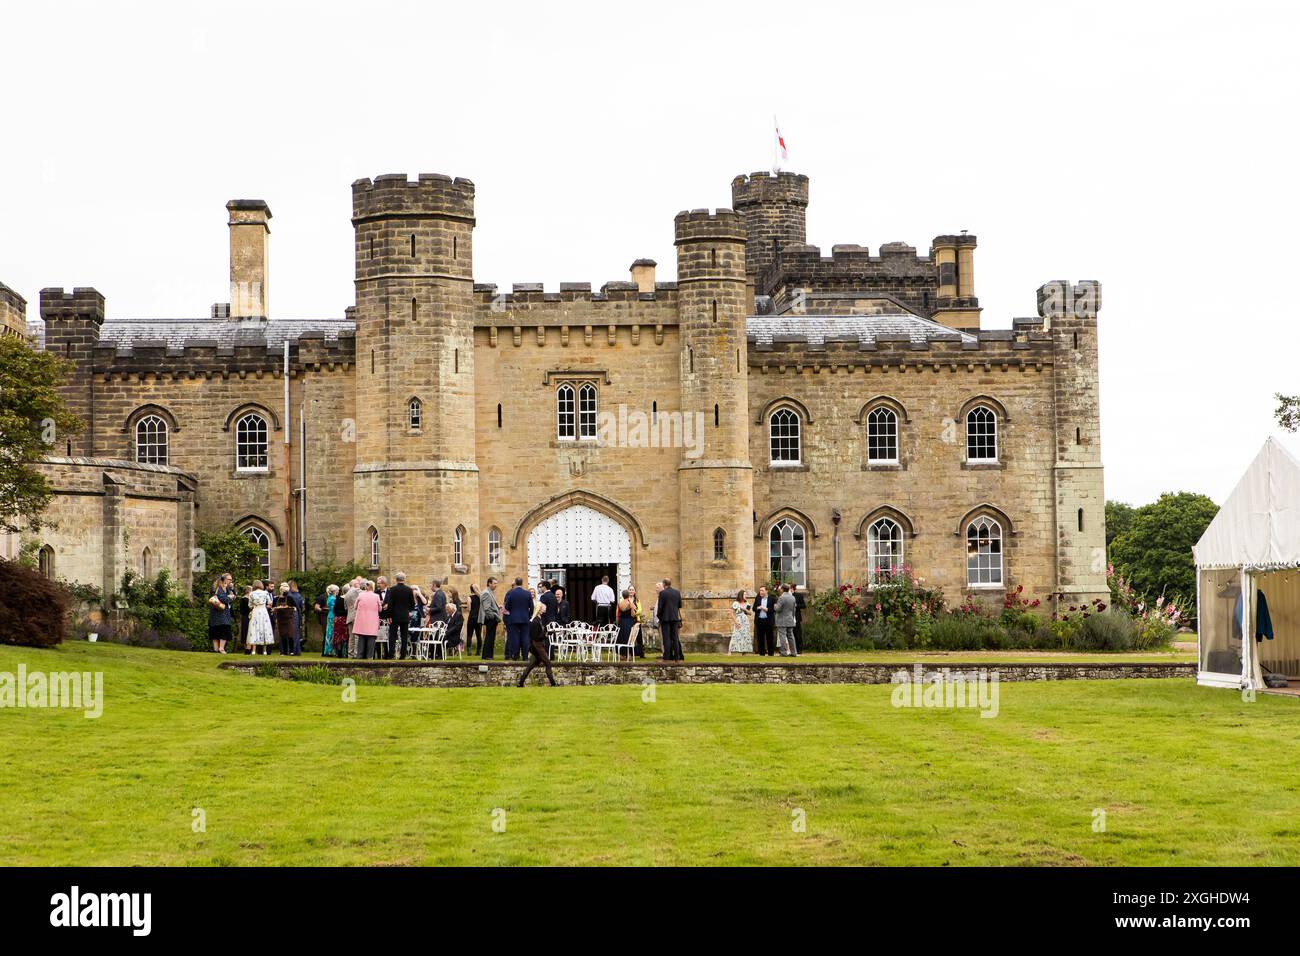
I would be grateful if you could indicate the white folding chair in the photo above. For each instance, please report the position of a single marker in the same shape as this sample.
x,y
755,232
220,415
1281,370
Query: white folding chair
x,y
630,646
438,640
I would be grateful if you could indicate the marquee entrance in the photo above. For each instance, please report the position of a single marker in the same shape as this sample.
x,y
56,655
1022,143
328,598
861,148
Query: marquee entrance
x,y
576,546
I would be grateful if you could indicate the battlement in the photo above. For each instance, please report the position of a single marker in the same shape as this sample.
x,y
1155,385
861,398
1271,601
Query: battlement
x,y
701,225
1023,347
393,194
765,187
11,299
80,303
1059,299
534,293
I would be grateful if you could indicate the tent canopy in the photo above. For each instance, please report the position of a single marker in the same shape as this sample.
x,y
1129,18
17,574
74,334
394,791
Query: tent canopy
x,y
1258,527
1247,561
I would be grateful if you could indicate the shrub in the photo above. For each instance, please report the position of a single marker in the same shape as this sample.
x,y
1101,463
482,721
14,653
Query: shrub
x,y
1111,630
965,632
34,610
161,616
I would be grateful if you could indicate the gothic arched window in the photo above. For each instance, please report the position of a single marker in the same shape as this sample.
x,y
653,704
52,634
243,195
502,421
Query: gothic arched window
x,y
884,550
983,553
151,440
981,434
786,556
251,443
783,430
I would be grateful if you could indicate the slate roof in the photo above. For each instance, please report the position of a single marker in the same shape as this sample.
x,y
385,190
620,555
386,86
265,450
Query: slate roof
x,y
816,329
225,333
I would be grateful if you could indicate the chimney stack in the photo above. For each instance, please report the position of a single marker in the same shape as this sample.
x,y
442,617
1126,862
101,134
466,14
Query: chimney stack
x,y
249,237
643,274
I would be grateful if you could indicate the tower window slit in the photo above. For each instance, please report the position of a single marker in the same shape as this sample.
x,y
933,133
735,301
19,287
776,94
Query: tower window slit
x,y
1080,519
412,245
715,311
498,414
715,415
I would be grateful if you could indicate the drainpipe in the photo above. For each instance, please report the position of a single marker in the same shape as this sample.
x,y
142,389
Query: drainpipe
x,y
288,478
302,482
835,544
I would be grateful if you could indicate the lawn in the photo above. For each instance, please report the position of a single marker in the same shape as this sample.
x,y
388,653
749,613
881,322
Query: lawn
x,y
286,772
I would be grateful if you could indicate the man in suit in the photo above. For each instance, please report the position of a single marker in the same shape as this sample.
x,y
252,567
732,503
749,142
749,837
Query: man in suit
x,y
550,604
437,604
518,607
490,613
799,605
399,601
669,612
785,606
764,618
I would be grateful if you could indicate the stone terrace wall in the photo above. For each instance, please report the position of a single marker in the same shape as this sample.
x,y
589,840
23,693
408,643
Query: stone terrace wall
x,y
472,673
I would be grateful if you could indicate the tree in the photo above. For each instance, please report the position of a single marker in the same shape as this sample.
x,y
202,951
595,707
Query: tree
x,y
33,419
1288,411
1155,552
226,550
1119,517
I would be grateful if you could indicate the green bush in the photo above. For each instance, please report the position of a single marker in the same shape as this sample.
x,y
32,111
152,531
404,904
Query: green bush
x,y
965,632
157,606
1112,630
34,610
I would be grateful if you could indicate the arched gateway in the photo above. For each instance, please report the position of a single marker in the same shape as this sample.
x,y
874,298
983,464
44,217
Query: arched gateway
x,y
576,547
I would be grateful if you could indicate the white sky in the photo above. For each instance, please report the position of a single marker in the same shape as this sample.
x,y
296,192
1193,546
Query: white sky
x,y
1151,146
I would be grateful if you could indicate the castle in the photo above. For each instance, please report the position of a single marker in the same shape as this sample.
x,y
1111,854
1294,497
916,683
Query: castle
x,y
772,412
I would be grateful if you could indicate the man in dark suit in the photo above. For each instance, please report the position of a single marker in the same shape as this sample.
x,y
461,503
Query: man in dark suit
x,y
550,603
438,604
398,604
518,607
669,613
764,626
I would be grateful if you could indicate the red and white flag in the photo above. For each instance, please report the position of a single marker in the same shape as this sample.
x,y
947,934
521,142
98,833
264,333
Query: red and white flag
x,y
778,147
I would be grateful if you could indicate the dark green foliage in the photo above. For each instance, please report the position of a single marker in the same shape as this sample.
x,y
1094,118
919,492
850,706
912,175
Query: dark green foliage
x,y
225,551
34,610
33,420
1154,554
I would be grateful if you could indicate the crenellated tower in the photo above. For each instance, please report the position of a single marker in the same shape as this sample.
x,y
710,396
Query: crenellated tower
x,y
416,481
72,323
715,479
774,208
1069,314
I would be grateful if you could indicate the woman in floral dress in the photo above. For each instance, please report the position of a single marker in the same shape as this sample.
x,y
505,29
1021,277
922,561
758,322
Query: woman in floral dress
x,y
260,634
742,639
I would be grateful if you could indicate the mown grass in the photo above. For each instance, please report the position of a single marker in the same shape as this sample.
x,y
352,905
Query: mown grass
x,y
287,772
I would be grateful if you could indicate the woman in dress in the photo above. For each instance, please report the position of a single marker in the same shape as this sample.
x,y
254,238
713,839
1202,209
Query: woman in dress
x,y
366,622
244,610
742,639
341,631
625,617
638,618
473,626
331,596
219,604
260,634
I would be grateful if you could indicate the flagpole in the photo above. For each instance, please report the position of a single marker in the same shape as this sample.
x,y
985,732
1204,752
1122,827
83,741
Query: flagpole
x,y
776,160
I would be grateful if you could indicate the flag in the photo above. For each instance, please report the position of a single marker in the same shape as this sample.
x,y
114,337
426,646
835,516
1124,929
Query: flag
x,y
780,143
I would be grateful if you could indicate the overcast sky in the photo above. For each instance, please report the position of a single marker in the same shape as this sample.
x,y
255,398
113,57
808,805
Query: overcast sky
x,y
1150,146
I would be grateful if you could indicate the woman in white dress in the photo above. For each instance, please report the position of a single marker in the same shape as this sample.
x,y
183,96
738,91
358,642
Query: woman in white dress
x,y
259,620
742,639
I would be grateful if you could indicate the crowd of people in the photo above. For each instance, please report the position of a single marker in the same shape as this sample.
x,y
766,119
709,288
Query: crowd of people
x,y
777,625
353,617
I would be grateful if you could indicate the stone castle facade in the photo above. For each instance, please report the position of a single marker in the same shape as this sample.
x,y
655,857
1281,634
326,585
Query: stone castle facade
x,y
774,411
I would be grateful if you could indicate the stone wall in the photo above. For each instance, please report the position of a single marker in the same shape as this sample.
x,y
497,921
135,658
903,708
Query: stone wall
x,y
472,673
933,492
107,514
